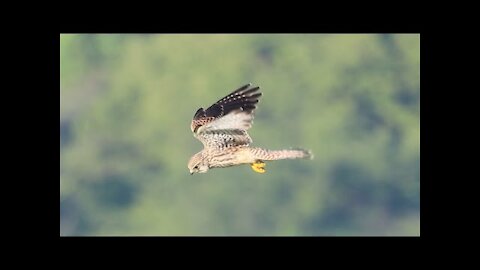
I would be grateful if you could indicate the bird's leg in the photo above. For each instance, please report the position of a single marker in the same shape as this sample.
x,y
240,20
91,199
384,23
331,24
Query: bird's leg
x,y
258,166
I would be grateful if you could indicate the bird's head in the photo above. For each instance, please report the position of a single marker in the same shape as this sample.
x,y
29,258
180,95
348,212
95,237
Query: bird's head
x,y
197,164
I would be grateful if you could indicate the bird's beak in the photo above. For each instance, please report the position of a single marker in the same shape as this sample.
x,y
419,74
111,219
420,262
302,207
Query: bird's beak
x,y
191,173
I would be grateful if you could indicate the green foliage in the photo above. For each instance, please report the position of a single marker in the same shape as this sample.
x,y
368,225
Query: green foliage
x,y
126,106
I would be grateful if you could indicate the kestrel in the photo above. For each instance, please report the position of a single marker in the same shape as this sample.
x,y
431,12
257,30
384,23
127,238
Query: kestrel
x,y
222,129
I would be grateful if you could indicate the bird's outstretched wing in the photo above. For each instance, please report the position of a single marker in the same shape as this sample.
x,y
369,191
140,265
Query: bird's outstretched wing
x,y
225,123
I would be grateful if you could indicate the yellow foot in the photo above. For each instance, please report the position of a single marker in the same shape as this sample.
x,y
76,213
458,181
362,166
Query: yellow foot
x,y
258,166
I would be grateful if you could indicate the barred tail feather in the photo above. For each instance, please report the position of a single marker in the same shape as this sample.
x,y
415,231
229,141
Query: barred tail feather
x,y
264,154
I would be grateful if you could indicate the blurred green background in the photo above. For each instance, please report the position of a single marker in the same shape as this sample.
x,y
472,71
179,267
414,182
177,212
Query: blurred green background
x,y
125,139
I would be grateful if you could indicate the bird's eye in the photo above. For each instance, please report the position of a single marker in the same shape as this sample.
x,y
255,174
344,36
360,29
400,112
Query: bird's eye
x,y
196,167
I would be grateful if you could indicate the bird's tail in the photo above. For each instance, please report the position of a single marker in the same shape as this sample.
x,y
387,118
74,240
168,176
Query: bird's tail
x,y
264,154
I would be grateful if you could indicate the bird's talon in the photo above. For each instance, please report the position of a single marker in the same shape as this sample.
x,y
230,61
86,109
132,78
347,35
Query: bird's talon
x,y
259,166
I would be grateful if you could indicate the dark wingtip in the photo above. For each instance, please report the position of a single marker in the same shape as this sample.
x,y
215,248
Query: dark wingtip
x,y
244,98
199,113
246,86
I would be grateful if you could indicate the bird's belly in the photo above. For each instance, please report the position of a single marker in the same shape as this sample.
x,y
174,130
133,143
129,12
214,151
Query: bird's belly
x,y
233,158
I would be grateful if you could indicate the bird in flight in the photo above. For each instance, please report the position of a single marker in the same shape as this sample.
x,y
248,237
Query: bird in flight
x,y
222,129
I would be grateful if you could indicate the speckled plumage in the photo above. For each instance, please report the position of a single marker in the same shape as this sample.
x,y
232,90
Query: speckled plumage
x,y
222,129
